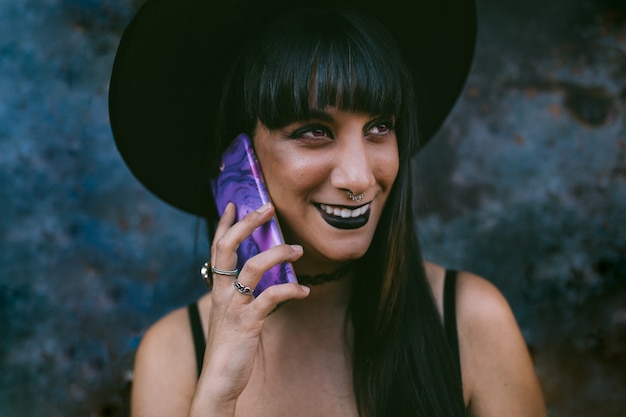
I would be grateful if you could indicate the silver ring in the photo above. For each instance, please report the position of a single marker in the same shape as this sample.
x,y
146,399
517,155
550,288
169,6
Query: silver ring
x,y
232,272
208,279
356,198
243,289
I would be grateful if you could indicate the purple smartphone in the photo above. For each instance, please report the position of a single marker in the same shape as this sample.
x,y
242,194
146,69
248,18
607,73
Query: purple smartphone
x,y
240,180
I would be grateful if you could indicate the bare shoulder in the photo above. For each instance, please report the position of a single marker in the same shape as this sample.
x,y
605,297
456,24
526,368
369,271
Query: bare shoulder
x,y
497,368
475,296
481,309
165,374
499,377
480,304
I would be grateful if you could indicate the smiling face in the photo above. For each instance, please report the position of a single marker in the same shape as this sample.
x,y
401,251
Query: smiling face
x,y
310,167
329,107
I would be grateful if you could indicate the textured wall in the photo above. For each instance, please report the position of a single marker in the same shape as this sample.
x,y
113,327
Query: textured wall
x,y
526,185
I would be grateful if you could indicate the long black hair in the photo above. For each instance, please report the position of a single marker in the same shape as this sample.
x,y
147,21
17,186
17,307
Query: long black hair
x,y
402,363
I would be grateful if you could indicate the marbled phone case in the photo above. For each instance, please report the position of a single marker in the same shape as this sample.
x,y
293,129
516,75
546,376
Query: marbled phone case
x,y
240,180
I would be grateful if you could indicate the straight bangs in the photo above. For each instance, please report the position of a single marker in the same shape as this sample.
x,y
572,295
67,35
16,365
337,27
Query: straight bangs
x,y
315,60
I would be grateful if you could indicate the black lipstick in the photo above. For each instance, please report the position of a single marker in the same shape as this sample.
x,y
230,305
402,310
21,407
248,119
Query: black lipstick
x,y
346,223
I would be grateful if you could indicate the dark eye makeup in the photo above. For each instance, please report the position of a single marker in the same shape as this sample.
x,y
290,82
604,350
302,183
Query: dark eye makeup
x,y
316,130
381,126
311,131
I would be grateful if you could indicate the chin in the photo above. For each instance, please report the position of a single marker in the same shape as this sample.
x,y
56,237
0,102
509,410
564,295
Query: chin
x,y
340,253
336,245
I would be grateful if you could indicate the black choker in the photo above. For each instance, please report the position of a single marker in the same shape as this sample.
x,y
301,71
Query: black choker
x,y
319,279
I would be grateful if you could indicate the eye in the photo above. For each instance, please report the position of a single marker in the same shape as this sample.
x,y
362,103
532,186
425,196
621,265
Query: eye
x,y
317,132
311,132
381,127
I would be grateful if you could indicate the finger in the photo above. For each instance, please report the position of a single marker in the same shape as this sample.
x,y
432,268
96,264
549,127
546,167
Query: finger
x,y
226,243
274,296
224,223
239,231
255,267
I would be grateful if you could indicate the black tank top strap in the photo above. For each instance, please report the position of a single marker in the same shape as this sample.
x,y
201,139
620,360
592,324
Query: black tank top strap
x,y
449,315
197,331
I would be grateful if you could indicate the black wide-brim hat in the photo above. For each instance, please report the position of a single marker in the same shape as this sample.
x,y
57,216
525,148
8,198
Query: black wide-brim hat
x,y
161,94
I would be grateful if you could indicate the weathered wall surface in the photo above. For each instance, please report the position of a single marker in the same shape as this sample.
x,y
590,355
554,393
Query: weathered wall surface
x,y
525,185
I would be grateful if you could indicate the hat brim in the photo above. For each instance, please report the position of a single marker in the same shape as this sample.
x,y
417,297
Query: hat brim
x,y
160,93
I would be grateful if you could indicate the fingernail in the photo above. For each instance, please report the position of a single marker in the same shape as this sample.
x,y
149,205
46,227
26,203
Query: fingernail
x,y
263,208
297,248
305,288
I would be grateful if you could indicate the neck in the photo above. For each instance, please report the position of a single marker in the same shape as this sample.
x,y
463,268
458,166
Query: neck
x,y
320,318
331,297
327,303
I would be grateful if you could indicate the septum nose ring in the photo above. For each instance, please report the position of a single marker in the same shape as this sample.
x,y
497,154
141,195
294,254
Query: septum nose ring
x,y
357,198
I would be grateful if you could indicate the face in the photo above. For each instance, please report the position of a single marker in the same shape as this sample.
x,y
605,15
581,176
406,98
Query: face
x,y
310,167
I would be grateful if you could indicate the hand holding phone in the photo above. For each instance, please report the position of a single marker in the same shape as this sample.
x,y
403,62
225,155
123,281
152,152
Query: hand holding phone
x,y
240,180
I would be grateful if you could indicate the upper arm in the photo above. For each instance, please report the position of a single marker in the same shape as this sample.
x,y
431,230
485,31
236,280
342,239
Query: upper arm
x,y
164,377
497,366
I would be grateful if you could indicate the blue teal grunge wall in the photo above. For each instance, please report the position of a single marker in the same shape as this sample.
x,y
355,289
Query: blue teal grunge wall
x,y
525,185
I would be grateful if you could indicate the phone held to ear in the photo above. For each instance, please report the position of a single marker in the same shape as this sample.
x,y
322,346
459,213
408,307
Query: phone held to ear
x,y
240,180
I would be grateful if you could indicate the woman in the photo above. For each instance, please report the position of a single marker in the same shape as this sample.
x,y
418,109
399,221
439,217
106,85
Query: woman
x,y
335,101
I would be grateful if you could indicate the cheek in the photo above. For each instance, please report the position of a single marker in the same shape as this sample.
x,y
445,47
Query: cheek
x,y
288,173
296,179
387,165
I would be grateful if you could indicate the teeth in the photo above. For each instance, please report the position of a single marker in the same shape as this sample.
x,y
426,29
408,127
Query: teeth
x,y
344,212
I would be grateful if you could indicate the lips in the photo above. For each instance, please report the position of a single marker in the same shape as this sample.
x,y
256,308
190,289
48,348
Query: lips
x,y
343,217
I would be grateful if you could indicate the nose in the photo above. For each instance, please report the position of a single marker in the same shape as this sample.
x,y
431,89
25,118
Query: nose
x,y
353,169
